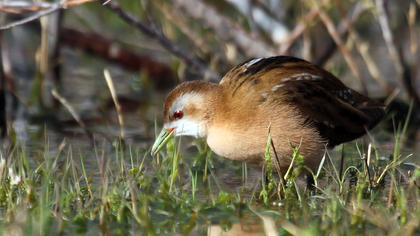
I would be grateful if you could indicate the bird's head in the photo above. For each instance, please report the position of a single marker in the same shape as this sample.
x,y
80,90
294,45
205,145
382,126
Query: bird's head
x,y
187,111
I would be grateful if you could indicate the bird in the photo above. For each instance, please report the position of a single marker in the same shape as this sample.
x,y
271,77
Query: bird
x,y
294,102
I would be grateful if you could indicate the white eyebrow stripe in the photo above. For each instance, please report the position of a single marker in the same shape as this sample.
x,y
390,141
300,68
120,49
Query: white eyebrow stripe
x,y
188,98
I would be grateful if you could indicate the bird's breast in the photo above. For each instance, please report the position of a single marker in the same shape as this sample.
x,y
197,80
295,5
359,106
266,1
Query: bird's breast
x,y
247,140
235,145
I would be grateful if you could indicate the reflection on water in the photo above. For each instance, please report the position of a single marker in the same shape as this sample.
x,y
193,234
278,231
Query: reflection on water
x,y
248,226
236,230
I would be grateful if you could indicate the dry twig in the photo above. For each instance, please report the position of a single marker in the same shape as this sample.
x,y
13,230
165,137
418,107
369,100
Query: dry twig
x,y
163,41
363,47
403,70
332,30
73,112
19,7
298,31
343,29
411,18
387,34
41,9
373,69
181,23
250,45
111,87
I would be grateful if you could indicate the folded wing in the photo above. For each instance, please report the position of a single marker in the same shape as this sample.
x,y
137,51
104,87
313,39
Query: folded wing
x,y
339,113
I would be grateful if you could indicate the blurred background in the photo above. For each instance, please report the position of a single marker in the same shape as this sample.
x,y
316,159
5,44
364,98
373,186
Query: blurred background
x,y
80,77
83,71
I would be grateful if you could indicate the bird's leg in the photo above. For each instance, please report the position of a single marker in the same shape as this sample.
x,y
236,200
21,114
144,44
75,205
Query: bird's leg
x,y
310,183
341,163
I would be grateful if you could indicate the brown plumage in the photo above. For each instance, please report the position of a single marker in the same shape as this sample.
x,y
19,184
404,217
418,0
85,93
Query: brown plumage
x,y
300,103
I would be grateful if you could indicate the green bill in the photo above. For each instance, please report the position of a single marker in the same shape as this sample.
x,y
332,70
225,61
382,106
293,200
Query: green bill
x,y
161,140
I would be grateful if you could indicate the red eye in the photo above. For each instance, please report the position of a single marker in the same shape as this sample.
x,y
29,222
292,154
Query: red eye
x,y
178,115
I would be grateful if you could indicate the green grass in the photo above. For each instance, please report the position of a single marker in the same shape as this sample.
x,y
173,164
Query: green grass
x,y
123,190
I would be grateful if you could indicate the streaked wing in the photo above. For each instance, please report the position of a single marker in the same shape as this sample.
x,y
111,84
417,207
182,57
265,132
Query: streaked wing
x,y
340,114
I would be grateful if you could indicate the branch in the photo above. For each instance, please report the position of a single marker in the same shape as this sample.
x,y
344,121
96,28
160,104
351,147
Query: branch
x,y
403,69
151,32
20,7
259,15
332,30
363,49
298,31
225,29
42,9
372,67
179,20
387,34
98,45
343,29
3,110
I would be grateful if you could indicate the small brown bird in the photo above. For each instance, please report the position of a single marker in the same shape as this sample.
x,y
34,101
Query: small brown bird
x,y
295,102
